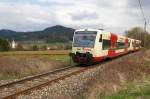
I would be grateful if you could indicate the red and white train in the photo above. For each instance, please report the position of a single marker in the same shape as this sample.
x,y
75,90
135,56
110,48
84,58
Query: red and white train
x,y
92,45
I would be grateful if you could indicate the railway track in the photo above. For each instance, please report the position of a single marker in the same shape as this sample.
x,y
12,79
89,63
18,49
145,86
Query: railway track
x,y
25,86
11,89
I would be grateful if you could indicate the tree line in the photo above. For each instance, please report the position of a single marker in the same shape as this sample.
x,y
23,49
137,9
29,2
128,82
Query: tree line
x,y
4,45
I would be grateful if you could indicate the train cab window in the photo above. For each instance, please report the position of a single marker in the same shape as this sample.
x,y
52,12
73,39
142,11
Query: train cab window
x,y
106,44
84,39
100,38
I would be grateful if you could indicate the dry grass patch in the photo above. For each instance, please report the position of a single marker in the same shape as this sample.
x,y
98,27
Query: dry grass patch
x,y
19,66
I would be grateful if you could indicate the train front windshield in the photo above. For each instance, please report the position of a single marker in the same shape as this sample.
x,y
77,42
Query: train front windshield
x,y
84,39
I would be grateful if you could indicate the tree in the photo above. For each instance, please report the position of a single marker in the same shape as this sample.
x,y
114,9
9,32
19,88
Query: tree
x,y
35,48
140,34
4,45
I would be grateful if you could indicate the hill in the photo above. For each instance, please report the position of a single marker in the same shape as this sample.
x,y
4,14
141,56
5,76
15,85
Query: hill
x,y
56,33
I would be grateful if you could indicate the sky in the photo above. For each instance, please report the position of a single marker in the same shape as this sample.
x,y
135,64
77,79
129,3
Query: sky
x,y
33,15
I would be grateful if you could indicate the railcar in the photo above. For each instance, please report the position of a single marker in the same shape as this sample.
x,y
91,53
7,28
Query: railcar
x,y
92,45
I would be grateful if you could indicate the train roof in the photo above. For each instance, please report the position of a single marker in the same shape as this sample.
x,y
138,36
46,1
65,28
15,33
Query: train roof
x,y
87,29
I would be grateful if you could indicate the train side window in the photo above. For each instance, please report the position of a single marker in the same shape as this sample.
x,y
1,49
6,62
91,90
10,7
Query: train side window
x,y
106,44
120,45
100,38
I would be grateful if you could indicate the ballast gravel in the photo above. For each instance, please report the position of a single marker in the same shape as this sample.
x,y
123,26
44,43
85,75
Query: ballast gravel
x,y
69,88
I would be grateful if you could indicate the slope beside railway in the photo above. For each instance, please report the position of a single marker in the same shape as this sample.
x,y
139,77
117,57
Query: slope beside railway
x,y
126,78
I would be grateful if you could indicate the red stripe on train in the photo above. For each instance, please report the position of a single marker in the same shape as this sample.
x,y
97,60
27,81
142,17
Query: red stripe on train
x,y
111,51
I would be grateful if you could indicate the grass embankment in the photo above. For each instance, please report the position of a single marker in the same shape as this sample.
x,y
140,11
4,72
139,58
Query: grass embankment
x,y
18,66
124,78
139,88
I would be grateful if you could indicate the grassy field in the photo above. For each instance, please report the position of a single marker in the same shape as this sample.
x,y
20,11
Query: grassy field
x,y
50,52
17,66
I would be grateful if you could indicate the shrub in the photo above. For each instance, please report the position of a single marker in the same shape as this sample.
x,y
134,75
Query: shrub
x,y
4,45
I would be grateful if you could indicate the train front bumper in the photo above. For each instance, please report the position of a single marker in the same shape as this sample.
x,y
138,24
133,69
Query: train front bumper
x,y
82,58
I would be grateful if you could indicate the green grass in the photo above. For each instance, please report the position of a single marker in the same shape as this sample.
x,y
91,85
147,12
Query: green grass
x,y
134,91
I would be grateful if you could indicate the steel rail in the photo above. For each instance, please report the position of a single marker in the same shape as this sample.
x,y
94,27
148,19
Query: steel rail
x,y
27,91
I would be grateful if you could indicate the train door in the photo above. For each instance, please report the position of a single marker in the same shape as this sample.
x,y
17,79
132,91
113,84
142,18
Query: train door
x,y
98,45
106,44
131,44
102,45
134,45
126,44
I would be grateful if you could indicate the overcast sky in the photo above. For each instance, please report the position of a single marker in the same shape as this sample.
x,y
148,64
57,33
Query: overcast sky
x,y
113,15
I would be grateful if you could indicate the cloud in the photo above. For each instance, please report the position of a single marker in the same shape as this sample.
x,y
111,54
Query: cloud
x,y
114,15
23,17
84,16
